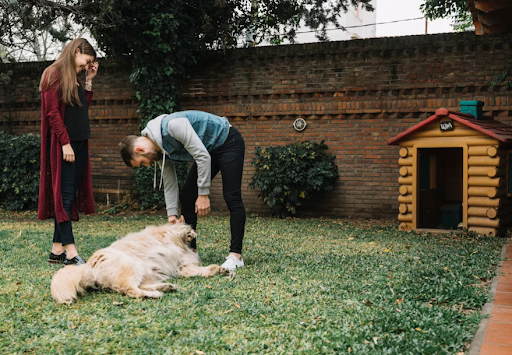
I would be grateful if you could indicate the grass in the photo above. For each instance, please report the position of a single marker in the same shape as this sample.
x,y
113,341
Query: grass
x,y
310,286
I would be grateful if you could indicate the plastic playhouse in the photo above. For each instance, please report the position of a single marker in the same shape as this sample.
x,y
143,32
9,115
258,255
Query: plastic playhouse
x,y
455,172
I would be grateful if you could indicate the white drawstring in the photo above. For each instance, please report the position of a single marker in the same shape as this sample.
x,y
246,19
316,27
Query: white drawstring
x,y
162,173
154,179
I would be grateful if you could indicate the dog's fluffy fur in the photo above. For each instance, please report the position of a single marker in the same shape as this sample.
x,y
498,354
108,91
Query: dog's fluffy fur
x,y
136,265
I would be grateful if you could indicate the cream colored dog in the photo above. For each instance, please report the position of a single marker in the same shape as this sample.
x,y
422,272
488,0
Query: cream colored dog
x,y
136,265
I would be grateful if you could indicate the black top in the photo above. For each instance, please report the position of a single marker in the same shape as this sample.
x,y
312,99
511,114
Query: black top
x,y
76,119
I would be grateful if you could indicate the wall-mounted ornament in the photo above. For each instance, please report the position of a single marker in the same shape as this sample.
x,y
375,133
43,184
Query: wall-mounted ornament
x,y
299,124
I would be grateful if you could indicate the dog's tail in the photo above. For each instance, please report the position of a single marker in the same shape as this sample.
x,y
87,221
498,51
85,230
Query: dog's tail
x,y
71,280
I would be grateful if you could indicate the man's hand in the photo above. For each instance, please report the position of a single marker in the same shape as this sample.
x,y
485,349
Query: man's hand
x,y
203,205
175,220
68,154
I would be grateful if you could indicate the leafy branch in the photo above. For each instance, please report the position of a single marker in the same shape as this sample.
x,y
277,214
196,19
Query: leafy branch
x,y
503,78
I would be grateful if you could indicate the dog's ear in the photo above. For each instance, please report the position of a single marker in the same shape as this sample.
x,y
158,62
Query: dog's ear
x,y
181,231
186,232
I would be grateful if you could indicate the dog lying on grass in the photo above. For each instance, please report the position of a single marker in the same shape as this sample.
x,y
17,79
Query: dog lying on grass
x,y
136,265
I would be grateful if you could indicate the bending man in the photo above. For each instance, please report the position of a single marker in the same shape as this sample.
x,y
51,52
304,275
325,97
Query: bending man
x,y
214,145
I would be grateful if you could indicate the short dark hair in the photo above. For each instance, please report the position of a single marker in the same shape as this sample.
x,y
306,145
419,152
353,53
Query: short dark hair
x,y
127,148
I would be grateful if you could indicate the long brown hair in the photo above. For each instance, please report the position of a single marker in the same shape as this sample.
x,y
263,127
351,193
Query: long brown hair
x,y
63,70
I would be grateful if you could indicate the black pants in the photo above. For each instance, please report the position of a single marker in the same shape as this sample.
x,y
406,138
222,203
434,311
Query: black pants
x,y
229,160
71,176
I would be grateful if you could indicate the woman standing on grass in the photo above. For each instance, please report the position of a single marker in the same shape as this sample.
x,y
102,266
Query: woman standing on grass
x,y
64,145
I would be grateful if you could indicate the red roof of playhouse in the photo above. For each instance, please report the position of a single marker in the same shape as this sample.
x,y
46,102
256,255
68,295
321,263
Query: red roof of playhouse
x,y
488,126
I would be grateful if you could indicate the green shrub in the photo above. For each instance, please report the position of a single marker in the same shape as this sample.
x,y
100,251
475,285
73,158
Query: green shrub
x,y
19,171
150,197
290,174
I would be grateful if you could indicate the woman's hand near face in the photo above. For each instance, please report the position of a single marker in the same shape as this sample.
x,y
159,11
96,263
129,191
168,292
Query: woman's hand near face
x,y
68,154
92,70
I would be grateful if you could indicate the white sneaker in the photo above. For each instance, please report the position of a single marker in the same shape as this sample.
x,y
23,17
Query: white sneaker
x,y
232,263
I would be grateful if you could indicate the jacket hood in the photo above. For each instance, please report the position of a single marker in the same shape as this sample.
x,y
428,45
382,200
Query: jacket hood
x,y
153,131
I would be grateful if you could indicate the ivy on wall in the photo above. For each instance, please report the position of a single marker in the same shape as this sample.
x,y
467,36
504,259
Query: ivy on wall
x,y
157,74
160,55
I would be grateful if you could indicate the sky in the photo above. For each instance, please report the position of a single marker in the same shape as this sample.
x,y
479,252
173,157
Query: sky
x,y
390,16
393,10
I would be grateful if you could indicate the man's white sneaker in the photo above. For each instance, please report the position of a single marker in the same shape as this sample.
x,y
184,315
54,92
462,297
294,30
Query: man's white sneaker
x,y
232,263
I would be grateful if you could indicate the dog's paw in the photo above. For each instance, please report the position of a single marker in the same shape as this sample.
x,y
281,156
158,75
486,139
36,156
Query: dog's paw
x,y
153,294
169,287
223,271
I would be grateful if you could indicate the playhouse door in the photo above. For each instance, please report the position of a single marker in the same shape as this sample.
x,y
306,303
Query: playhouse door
x,y
439,187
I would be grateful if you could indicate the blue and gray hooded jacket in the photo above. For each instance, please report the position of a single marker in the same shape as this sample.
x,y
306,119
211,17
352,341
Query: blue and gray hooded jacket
x,y
186,136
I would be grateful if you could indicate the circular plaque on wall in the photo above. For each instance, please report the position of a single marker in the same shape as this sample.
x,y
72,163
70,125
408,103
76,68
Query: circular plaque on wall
x,y
299,124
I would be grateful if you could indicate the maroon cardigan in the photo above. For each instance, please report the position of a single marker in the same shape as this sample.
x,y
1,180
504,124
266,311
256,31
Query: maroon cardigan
x,y
50,195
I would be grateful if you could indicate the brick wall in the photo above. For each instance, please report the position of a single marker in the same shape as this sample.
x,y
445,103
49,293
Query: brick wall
x,y
355,95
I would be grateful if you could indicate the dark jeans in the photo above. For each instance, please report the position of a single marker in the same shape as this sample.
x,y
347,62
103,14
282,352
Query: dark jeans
x,y
71,176
229,160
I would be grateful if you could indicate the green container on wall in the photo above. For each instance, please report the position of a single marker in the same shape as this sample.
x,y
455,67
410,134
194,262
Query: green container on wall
x,y
472,107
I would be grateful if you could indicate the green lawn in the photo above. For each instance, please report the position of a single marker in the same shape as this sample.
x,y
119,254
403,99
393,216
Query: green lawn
x,y
310,286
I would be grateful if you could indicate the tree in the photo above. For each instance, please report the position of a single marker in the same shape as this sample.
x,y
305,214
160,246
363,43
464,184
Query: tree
x,y
29,28
165,37
29,31
38,29
456,9
221,23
